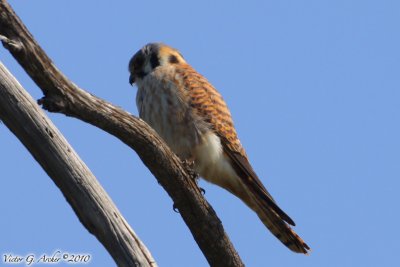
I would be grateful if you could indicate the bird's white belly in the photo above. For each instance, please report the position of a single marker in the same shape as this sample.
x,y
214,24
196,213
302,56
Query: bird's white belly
x,y
210,161
160,105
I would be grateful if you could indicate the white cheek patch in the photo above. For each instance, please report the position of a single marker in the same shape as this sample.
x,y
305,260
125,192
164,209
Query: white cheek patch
x,y
147,67
163,61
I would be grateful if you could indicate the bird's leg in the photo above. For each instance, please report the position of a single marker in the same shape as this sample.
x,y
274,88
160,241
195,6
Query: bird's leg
x,y
189,163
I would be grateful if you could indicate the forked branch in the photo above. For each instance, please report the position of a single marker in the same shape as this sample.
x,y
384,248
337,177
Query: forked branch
x,y
61,95
92,205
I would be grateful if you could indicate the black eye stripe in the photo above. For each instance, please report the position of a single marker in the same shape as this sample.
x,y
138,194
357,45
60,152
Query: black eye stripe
x,y
154,61
141,74
139,62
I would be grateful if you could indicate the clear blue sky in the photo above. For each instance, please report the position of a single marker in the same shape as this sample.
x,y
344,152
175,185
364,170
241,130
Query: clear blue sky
x,y
314,89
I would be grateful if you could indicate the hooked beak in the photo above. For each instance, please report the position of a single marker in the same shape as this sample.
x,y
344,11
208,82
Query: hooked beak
x,y
131,79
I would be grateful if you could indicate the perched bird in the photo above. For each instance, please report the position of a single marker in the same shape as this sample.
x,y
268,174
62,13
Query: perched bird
x,y
193,119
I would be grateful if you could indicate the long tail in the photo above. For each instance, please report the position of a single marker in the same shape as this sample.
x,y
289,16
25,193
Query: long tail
x,y
247,186
275,219
281,230
252,192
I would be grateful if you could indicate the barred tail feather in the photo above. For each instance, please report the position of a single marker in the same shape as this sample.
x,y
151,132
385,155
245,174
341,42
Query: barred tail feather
x,y
256,196
282,230
270,217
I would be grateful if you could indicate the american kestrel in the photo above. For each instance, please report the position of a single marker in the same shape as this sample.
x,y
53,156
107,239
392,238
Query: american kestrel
x,y
193,119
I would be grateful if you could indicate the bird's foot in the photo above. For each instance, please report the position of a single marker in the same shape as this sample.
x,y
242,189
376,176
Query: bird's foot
x,y
193,174
175,208
190,169
203,192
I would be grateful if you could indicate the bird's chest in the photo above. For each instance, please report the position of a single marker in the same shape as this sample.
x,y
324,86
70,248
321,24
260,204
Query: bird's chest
x,y
163,104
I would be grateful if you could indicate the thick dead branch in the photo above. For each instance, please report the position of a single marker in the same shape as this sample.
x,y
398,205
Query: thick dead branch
x,y
94,208
61,95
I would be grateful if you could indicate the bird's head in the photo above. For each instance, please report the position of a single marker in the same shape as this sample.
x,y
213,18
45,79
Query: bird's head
x,y
150,57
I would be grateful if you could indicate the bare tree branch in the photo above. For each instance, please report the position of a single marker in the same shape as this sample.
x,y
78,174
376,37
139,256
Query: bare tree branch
x,y
80,187
61,95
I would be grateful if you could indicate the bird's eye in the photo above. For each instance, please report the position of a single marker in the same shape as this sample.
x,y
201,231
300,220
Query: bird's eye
x,y
173,59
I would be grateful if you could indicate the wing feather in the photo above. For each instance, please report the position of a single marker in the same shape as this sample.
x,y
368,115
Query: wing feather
x,y
211,106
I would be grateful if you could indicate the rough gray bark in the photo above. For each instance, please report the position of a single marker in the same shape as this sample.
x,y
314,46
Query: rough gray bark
x,y
94,208
61,95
